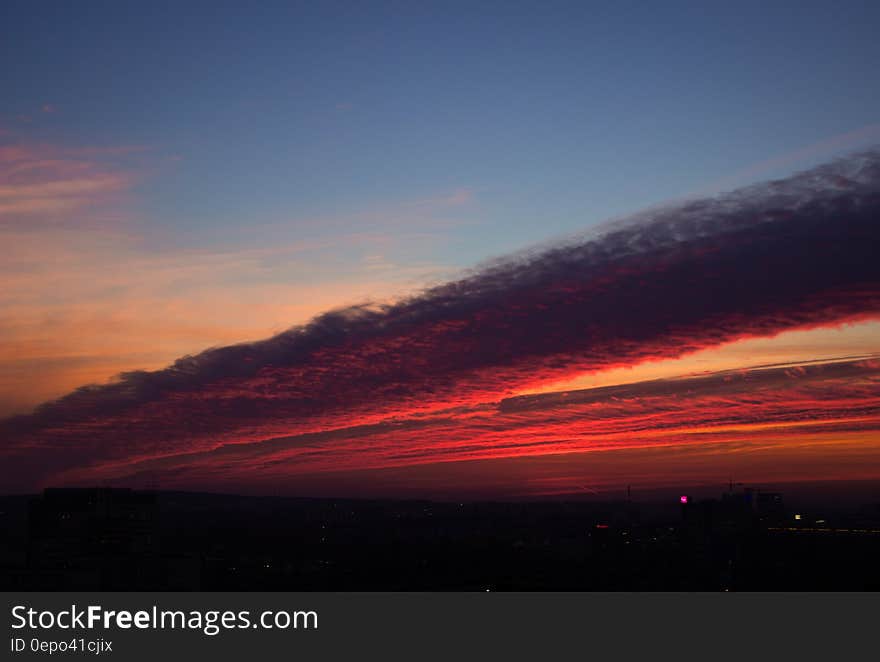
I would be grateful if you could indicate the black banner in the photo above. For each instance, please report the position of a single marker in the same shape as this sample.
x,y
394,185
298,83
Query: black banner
x,y
407,626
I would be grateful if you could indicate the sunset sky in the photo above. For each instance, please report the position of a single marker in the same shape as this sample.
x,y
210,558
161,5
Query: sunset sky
x,y
449,250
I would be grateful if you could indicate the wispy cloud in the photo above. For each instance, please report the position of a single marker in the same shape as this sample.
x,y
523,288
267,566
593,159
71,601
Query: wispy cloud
x,y
89,291
49,183
821,150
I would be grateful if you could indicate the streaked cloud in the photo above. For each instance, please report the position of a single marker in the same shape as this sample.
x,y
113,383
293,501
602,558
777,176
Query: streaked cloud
x,y
38,180
789,254
718,416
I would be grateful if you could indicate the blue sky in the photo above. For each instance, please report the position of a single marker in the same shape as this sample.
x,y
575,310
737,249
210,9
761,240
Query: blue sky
x,y
192,174
556,115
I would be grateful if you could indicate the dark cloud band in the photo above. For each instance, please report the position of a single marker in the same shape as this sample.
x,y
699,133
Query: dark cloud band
x,y
787,254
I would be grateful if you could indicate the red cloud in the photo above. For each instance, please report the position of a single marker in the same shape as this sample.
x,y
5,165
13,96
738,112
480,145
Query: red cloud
x,y
790,254
730,411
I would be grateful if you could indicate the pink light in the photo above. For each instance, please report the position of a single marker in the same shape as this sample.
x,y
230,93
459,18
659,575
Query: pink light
x,y
683,498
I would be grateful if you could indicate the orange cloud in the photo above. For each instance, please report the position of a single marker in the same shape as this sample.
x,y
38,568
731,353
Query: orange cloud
x,y
86,296
800,346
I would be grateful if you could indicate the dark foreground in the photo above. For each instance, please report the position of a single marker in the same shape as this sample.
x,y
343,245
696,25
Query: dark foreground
x,y
105,539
